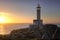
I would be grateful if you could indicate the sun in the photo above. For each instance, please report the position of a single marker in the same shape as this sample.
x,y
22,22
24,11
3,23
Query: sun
x,y
3,19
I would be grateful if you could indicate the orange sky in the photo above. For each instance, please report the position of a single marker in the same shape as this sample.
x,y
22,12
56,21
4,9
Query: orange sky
x,y
10,18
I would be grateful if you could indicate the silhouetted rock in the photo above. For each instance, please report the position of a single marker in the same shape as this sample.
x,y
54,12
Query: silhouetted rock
x,y
52,31
20,34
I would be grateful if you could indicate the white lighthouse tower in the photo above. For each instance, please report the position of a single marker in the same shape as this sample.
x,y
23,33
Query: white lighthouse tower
x,y
37,23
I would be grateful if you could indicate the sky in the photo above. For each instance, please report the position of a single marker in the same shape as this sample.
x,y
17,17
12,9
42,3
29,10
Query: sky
x,y
24,11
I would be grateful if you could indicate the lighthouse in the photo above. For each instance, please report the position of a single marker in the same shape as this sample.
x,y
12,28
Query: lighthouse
x,y
37,23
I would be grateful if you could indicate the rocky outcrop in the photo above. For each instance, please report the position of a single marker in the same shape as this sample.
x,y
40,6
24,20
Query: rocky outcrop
x,y
50,31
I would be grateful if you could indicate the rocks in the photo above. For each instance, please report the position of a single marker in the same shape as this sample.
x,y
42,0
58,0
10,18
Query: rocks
x,y
50,31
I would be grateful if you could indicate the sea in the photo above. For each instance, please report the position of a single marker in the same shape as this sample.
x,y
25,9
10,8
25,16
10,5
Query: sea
x,y
8,27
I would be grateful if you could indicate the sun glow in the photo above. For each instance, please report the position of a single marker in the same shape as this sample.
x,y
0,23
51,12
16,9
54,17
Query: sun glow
x,y
4,17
